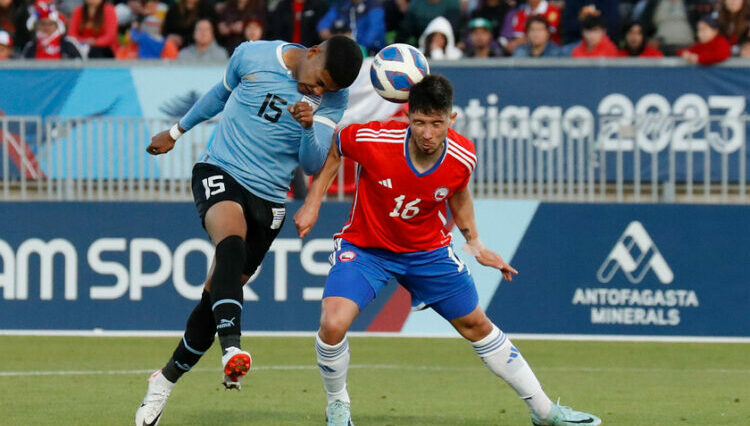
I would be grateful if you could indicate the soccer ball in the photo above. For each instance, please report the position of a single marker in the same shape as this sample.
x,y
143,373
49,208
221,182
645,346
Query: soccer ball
x,y
395,69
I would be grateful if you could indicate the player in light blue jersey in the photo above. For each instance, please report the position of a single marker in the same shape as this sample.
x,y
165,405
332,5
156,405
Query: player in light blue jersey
x,y
280,103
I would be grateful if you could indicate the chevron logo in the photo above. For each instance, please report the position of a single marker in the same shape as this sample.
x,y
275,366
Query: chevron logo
x,y
386,183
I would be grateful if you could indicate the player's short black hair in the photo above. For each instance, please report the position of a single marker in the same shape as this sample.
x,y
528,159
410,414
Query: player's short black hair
x,y
343,60
434,94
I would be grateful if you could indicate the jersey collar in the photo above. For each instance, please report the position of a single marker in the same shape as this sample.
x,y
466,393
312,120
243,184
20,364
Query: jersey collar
x,y
280,50
408,157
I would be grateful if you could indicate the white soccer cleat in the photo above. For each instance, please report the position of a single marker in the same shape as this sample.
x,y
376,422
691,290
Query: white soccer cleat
x,y
236,364
338,413
149,413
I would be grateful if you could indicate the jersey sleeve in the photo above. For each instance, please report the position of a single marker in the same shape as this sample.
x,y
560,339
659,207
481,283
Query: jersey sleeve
x,y
332,107
463,151
237,62
346,141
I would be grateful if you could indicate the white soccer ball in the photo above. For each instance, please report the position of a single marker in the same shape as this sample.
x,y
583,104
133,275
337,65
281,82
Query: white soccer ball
x,y
395,69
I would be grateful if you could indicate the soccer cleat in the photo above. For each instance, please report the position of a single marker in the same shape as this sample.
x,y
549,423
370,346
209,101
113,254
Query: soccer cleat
x,y
236,364
561,415
338,413
149,413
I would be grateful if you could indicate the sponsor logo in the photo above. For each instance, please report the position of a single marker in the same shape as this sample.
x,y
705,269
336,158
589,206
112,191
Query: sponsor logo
x,y
441,193
224,323
386,183
639,259
635,254
347,256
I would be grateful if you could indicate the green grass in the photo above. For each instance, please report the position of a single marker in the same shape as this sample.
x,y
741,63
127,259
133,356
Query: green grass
x,y
393,381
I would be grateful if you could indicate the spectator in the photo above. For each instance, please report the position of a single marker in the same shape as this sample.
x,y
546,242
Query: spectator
x,y
534,8
732,19
481,44
232,21
422,13
205,48
253,30
666,21
576,11
295,20
744,44
365,18
6,45
50,41
437,40
181,18
636,45
13,16
394,11
493,11
711,48
538,40
595,42
340,27
94,24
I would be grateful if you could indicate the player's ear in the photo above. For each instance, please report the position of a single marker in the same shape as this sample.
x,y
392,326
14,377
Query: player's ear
x,y
453,118
313,51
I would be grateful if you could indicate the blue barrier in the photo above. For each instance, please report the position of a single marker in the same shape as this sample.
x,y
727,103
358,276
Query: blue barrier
x,y
667,270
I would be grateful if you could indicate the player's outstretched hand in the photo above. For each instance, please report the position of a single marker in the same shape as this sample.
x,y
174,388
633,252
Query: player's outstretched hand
x,y
161,143
305,219
490,258
303,113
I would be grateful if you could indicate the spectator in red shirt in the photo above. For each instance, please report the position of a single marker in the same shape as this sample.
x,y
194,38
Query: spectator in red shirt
x,y
595,43
733,19
94,24
50,41
712,47
542,8
636,45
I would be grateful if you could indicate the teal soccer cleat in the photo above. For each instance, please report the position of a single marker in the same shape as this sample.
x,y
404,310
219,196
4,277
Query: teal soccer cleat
x,y
561,415
338,413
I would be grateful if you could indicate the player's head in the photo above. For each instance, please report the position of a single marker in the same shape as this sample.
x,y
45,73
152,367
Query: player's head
x,y
330,66
430,112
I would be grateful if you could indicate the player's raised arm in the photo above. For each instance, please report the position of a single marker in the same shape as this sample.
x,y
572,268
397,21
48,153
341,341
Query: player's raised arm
x,y
307,215
210,104
462,208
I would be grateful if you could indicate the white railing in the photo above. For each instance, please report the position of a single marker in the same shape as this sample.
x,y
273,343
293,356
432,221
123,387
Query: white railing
x,y
565,158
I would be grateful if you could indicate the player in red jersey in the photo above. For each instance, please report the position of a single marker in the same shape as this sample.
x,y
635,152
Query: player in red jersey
x,y
396,229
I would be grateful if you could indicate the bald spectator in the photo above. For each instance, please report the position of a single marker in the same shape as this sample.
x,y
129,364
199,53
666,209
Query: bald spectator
x,y
205,48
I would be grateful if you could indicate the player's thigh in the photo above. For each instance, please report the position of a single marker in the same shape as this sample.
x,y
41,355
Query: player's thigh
x,y
218,198
357,275
264,220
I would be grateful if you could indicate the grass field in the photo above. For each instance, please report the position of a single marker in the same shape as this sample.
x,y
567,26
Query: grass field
x,y
393,381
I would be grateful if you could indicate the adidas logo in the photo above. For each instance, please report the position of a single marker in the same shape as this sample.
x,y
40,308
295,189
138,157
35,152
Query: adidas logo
x,y
386,183
636,254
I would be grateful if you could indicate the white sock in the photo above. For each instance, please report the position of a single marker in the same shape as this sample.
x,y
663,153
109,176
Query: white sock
x,y
333,361
503,359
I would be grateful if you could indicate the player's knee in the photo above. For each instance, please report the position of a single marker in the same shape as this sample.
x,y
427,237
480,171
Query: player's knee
x,y
476,327
333,328
231,250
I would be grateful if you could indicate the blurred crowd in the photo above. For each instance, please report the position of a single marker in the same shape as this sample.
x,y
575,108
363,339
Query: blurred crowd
x,y
698,31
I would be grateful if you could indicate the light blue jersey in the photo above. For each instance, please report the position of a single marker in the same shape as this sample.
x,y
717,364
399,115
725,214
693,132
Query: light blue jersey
x,y
257,140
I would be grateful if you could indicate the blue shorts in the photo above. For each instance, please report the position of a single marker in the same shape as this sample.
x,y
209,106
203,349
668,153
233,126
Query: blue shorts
x,y
436,279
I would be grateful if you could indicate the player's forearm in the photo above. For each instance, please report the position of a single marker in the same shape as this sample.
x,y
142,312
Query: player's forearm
x,y
323,180
210,104
314,147
462,209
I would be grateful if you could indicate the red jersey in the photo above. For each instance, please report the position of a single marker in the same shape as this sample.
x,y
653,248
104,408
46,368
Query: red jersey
x,y
549,12
395,207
